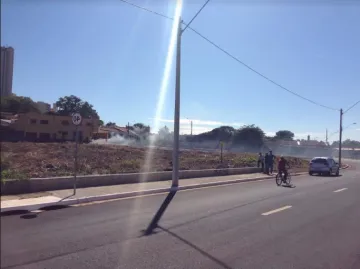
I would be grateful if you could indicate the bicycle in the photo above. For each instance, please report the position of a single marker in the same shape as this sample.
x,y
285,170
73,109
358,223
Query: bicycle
x,y
280,179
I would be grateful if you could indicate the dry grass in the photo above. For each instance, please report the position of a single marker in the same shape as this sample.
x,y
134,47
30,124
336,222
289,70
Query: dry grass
x,y
32,160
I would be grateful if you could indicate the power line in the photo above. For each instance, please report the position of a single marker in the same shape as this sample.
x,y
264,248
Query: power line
x,y
352,106
338,131
260,74
146,9
232,56
333,133
195,15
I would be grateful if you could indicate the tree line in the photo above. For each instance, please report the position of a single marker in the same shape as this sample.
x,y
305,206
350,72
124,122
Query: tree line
x,y
247,135
251,135
348,143
254,136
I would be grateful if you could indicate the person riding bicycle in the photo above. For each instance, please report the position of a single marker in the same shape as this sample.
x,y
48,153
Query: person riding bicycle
x,y
282,167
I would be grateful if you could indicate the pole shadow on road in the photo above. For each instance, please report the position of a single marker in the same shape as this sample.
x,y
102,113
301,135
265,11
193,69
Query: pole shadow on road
x,y
33,215
29,216
203,252
13,213
24,214
154,222
221,212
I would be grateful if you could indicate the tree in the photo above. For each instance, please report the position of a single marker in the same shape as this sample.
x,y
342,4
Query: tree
x,y
164,133
18,104
141,128
222,133
101,122
249,136
68,105
110,124
284,135
348,143
139,125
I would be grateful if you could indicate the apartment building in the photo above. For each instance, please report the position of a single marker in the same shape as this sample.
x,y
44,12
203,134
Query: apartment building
x,y
7,66
47,127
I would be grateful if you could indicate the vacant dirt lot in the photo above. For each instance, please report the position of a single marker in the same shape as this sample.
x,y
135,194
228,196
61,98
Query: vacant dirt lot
x,y
31,160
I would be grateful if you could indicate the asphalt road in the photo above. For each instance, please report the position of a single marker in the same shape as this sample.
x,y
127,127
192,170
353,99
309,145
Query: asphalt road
x,y
315,224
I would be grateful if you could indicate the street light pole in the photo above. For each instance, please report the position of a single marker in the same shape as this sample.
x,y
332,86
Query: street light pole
x,y
175,172
340,135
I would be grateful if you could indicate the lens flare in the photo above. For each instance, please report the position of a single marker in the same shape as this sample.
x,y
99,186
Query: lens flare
x,y
158,115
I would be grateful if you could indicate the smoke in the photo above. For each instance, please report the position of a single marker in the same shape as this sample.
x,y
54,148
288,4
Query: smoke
x,y
114,140
299,150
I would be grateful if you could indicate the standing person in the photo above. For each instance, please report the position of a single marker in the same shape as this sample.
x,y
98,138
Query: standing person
x,y
271,161
267,163
260,162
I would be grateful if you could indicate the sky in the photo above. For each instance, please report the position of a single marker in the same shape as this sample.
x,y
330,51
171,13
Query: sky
x,y
115,56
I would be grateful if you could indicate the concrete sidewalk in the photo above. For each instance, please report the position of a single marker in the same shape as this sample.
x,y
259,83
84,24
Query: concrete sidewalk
x,y
35,201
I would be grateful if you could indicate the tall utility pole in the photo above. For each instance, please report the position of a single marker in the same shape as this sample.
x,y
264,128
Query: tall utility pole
x,y
340,135
180,31
327,140
191,126
175,172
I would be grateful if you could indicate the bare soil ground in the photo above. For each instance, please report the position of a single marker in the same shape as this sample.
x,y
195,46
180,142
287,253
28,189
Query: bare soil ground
x,y
24,160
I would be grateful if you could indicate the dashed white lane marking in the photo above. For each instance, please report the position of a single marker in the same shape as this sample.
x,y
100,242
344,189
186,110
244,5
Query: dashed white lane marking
x,y
37,211
276,210
343,189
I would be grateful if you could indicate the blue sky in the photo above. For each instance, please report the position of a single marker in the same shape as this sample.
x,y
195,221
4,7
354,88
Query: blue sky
x,y
113,55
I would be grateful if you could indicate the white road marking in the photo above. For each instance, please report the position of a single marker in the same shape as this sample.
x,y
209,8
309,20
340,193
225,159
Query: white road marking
x,y
344,189
37,211
276,210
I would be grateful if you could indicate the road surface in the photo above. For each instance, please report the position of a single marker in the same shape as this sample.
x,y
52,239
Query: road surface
x,y
316,224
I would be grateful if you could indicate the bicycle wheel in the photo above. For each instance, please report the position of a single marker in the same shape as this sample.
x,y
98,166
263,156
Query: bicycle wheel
x,y
288,179
278,179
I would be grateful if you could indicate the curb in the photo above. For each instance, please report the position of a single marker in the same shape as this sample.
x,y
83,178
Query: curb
x,y
13,187
105,197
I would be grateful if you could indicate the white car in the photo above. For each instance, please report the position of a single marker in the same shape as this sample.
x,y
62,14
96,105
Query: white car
x,y
324,166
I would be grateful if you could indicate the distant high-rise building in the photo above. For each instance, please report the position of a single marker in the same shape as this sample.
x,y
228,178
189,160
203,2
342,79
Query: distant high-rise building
x,y
43,107
7,66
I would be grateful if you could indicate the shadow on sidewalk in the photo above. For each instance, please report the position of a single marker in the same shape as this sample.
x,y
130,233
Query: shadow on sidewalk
x,y
71,195
217,261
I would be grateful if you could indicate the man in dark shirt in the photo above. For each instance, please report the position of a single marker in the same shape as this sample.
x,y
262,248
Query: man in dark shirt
x,y
271,161
267,163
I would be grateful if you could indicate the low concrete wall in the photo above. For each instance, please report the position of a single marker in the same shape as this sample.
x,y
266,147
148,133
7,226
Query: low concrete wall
x,y
12,187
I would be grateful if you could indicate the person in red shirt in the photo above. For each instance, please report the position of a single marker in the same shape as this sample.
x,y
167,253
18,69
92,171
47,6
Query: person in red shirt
x,y
282,167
